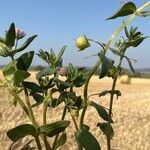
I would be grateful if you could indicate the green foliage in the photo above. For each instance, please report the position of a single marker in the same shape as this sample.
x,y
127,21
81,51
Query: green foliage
x,y
125,10
10,36
106,129
24,61
53,129
51,90
62,140
21,131
101,111
87,140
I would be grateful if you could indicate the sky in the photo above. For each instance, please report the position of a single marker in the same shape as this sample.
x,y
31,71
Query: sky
x,y
60,22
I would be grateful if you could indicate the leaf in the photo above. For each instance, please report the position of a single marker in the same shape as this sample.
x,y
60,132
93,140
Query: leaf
x,y
38,98
54,128
106,65
10,36
2,40
33,87
61,52
101,111
107,130
20,76
137,41
87,140
130,64
61,140
4,50
25,44
45,72
21,131
63,83
25,60
126,9
9,70
115,52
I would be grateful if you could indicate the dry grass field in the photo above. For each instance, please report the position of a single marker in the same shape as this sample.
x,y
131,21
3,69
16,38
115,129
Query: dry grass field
x,y
131,115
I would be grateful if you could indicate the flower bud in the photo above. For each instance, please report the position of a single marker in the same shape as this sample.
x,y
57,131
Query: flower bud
x,y
82,43
62,71
19,33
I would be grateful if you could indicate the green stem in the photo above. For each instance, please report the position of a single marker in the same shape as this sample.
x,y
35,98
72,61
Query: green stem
x,y
45,106
86,90
29,107
56,137
38,143
111,102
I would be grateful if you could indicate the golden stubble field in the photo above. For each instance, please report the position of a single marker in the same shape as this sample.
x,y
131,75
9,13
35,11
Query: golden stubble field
x,y
131,115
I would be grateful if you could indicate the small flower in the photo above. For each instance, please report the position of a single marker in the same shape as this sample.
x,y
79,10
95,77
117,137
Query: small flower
x,y
62,71
82,43
19,33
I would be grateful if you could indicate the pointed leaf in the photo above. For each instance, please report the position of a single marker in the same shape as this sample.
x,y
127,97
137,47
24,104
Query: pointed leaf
x,y
101,111
25,60
87,140
106,65
61,52
127,9
54,128
45,72
10,36
130,64
33,87
106,129
21,131
20,76
62,140
9,70
25,44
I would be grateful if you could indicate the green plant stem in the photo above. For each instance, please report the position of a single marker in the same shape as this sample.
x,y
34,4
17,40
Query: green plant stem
x,y
111,103
29,107
56,137
38,143
86,91
45,106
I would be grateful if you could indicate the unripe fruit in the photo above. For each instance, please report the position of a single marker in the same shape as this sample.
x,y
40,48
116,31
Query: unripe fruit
x,y
82,43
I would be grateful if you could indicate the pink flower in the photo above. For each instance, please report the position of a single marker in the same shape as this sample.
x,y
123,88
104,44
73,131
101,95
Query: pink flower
x,y
19,33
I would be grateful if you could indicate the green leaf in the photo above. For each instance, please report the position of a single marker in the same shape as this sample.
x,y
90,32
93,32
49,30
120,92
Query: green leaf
x,y
61,52
20,76
137,42
87,140
4,50
21,131
106,65
38,98
45,72
107,130
2,40
114,51
10,36
126,9
54,128
101,111
33,87
130,64
9,70
61,140
24,61
25,44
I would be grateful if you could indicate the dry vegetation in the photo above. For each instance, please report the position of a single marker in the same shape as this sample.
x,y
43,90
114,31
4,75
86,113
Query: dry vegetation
x,y
131,115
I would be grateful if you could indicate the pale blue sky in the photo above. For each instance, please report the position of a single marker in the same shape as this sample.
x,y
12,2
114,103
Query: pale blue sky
x,y
59,22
